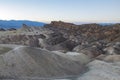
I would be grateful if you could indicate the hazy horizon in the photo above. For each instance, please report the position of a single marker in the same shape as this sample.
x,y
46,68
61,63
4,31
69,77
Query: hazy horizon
x,y
94,11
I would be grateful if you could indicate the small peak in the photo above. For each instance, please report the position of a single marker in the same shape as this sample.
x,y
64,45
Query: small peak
x,y
60,22
24,26
1,29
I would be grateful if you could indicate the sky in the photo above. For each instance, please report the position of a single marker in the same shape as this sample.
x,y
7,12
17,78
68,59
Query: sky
x,y
64,10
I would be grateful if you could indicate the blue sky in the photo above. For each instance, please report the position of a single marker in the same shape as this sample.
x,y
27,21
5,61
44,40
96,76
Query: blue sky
x,y
65,10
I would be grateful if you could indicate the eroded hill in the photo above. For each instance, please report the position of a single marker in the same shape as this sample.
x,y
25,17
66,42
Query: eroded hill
x,y
59,50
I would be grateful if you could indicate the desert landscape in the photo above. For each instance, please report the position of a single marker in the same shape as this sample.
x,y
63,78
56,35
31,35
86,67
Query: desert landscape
x,y
59,39
60,51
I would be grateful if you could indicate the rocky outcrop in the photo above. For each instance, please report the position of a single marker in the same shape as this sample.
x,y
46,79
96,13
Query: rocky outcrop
x,y
1,29
25,28
113,48
60,25
87,35
55,38
88,32
30,40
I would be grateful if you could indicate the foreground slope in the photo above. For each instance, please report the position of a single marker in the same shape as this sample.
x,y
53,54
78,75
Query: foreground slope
x,y
100,70
33,62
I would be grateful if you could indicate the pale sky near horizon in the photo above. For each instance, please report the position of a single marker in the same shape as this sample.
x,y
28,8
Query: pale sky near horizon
x,y
65,10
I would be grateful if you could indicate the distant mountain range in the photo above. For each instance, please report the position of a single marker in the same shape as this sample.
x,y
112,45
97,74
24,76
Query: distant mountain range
x,y
103,24
6,24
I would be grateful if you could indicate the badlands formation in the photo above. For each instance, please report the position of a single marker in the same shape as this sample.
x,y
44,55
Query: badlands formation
x,y
60,51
